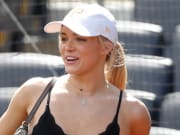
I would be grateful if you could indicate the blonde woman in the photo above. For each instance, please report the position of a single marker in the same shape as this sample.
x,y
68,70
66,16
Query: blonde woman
x,y
91,98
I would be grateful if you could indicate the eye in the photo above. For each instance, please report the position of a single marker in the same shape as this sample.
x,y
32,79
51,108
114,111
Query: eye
x,y
63,39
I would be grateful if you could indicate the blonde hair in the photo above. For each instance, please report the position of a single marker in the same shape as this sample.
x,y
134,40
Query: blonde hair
x,y
116,70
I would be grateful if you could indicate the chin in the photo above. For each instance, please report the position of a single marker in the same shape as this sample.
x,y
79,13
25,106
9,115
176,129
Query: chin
x,y
71,71
74,72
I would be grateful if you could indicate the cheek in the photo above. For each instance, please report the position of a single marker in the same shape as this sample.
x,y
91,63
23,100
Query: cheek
x,y
91,56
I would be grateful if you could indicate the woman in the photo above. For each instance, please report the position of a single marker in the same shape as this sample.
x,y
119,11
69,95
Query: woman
x,y
91,98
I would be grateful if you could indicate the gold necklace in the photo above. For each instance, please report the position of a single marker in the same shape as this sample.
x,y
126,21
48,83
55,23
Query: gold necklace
x,y
84,100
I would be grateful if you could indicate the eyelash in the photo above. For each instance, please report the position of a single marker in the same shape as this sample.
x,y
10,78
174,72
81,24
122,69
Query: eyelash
x,y
63,39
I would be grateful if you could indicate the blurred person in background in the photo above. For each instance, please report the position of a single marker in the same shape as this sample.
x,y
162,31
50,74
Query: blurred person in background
x,y
91,98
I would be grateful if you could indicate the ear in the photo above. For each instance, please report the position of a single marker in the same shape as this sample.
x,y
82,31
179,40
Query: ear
x,y
107,47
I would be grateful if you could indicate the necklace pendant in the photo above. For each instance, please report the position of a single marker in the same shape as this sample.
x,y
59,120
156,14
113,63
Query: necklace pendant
x,y
83,101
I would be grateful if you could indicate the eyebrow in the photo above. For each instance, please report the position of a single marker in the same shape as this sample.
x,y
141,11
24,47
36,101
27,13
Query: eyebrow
x,y
63,33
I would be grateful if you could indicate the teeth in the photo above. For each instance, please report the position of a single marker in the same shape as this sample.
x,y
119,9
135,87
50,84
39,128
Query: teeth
x,y
71,58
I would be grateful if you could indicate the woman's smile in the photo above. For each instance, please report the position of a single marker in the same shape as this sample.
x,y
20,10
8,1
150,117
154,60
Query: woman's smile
x,y
71,60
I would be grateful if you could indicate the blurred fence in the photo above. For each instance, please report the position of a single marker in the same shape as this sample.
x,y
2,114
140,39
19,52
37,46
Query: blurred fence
x,y
148,29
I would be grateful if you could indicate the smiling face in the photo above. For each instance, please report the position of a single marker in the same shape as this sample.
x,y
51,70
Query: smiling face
x,y
81,54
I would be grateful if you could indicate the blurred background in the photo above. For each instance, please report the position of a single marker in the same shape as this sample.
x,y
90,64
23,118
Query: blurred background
x,y
148,29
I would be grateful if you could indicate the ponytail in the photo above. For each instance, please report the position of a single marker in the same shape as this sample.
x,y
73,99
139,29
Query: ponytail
x,y
116,70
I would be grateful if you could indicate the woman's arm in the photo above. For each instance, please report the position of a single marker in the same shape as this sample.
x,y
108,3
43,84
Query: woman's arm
x,y
140,119
21,102
15,113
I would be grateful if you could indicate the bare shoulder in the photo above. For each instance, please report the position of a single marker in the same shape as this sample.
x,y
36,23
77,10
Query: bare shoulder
x,y
33,85
135,105
136,114
28,92
35,82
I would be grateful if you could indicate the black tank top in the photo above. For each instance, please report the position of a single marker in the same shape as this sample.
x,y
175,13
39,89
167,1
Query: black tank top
x,y
48,126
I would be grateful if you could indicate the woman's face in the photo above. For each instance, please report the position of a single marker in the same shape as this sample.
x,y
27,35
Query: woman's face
x,y
80,54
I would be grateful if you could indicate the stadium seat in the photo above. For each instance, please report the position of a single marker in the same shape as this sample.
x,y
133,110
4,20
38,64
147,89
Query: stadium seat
x,y
176,57
170,111
161,12
150,73
141,38
163,131
16,68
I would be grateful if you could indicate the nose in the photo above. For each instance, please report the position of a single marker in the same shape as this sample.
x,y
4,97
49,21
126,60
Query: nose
x,y
68,45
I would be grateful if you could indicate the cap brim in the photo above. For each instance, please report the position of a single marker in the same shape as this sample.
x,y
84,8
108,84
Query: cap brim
x,y
53,27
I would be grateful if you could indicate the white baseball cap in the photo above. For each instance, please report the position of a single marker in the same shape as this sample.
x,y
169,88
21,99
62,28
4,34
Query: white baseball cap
x,y
87,20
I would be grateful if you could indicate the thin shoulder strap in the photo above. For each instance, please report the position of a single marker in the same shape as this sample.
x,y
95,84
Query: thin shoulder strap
x,y
118,106
48,100
40,99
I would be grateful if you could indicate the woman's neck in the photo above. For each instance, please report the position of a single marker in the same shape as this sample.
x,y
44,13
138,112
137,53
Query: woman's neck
x,y
86,85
